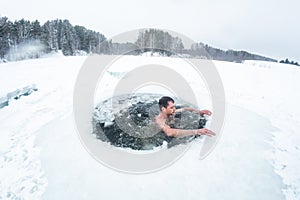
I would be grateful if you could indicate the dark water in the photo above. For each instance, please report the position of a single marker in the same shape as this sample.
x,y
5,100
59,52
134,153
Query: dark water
x,y
128,121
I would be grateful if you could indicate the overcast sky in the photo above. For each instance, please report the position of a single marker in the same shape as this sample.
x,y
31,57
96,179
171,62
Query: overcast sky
x,y
266,27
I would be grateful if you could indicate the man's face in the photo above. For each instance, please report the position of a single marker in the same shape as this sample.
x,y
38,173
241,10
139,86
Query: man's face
x,y
170,110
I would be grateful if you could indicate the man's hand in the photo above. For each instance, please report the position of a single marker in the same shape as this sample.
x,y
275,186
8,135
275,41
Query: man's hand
x,y
204,112
204,131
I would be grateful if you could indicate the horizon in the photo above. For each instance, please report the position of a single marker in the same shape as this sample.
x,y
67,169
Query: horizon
x,y
187,44
225,25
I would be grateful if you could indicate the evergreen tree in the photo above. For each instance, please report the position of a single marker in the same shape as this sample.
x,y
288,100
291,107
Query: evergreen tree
x,y
81,38
23,29
67,38
35,31
50,37
5,30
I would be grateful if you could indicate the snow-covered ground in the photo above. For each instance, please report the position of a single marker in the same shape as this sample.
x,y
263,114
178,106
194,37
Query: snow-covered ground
x,y
257,157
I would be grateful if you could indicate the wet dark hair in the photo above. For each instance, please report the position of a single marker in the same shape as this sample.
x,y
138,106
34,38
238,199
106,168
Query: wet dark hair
x,y
164,102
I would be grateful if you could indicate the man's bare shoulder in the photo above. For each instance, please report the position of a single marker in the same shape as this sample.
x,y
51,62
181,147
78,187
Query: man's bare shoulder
x,y
160,120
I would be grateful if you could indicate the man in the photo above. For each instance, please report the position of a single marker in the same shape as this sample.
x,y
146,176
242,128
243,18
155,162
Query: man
x,y
167,111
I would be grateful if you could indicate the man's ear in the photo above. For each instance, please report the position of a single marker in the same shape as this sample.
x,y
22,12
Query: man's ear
x,y
163,109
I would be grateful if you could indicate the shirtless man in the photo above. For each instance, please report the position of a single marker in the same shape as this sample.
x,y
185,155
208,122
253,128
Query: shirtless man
x,y
167,111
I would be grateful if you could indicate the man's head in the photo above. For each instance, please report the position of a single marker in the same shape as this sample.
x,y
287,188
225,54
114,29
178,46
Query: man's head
x,y
166,105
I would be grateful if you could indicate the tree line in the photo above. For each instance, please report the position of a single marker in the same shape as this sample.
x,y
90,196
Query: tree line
x,y
286,61
52,35
206,51
23,39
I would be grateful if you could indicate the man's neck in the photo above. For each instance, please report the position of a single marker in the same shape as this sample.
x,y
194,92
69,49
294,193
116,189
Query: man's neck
x,y
165,116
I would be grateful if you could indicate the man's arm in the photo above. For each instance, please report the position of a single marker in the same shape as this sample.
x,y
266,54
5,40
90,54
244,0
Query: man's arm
x,y
201,112
173,132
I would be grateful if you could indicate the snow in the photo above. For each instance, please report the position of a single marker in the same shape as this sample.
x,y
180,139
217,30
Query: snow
x,y
257,157
25,91
21,172
26,50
